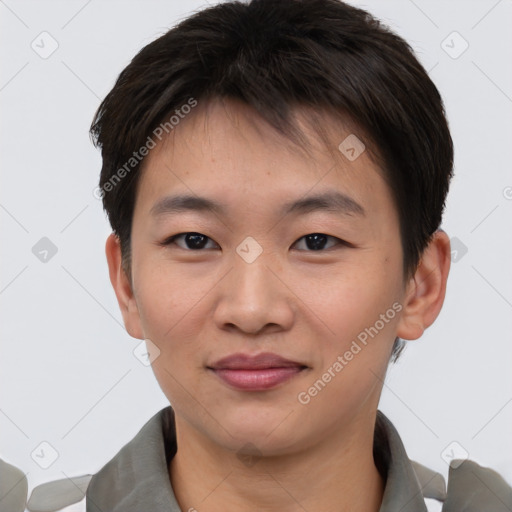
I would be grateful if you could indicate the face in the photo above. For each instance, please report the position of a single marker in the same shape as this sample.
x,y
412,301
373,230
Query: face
x,y
274,323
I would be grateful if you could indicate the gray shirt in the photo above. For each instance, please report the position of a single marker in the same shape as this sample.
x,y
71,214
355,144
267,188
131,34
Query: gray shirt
x,y
136,479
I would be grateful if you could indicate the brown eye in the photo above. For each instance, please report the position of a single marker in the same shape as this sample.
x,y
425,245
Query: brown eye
x,y
189,241
318,241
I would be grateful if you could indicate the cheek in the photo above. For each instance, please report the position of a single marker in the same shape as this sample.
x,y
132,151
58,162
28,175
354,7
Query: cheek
x,y
361,307
354,359
173,309
165,298
170,312
352,301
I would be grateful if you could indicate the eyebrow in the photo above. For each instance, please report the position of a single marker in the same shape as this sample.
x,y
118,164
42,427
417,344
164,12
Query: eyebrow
x,y
332,201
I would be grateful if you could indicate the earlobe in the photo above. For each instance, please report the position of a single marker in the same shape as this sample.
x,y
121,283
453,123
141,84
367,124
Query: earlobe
x,y
122,287
427,288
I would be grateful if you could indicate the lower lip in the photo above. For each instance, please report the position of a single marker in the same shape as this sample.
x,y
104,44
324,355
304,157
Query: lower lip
x,y
257,380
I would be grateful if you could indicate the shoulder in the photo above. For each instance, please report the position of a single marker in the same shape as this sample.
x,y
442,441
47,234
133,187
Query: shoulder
x,y
477,488
13,487
471,488
67,495
136,474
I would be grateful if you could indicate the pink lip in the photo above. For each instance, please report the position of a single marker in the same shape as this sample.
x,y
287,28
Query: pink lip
x,y
256,373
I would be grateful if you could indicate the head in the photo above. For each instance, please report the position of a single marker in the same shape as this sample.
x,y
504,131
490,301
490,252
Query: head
x,y
257,106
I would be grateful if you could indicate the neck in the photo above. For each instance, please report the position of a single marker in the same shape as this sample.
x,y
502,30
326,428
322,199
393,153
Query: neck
x,y
336,474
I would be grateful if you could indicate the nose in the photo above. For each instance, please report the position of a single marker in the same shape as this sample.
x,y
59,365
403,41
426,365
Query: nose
x,y
254,299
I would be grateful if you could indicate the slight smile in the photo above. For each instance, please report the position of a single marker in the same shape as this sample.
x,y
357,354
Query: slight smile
x,y
256,373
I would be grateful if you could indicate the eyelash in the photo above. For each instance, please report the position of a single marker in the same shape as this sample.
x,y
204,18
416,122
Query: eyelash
x,y
171,241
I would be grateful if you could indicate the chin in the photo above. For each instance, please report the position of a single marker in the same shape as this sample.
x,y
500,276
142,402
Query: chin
x,y
262,425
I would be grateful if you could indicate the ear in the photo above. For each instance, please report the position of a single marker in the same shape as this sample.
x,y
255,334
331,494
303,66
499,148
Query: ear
x,y
123,288
426,290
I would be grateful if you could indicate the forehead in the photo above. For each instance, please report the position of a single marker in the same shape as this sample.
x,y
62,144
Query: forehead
x,y
311,134
227,149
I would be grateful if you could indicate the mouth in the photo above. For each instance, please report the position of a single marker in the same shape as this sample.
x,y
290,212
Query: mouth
x,y
256,373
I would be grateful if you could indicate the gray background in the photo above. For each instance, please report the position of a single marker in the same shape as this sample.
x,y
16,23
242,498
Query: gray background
x,y
68,375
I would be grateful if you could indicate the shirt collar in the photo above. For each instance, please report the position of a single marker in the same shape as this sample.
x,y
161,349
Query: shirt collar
x,y
402,491
137,477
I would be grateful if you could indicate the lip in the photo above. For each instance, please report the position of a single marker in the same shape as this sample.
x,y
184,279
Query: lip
x,y
256,373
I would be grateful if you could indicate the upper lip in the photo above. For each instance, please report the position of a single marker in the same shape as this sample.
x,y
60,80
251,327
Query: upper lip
x,y
254,362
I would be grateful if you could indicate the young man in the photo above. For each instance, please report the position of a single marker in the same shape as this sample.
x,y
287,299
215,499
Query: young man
x,y
275,175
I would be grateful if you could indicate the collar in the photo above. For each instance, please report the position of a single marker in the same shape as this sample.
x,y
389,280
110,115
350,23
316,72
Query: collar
x,y
137,477
402,490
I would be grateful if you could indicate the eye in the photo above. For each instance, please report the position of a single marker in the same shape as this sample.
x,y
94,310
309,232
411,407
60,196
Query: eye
x,y
197,241
317,241
192,241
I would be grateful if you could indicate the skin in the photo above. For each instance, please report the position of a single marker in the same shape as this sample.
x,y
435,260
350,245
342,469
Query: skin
x,y
198,306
